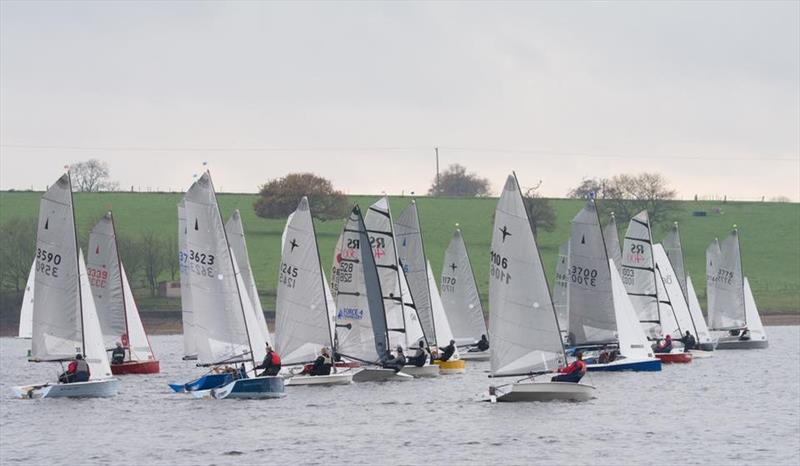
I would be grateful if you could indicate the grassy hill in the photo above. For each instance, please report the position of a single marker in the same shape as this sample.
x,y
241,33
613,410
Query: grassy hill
x,y
770,235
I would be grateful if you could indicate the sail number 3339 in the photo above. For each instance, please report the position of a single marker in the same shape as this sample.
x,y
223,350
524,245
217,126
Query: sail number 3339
x,y
498,269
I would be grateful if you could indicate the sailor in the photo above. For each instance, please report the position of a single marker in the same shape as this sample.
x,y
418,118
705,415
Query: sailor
x,y
573,372
745,335
323,363
396,362
482,345
118,355
665,346
271,363
77,371
420,357
689,342
448,351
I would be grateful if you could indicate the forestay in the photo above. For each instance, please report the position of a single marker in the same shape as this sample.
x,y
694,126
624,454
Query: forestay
x,y
727,281
611,237
236,239
591,307
674,250
561,286
460,297
26,310
360,316
302,317
638,273
190,335
523,327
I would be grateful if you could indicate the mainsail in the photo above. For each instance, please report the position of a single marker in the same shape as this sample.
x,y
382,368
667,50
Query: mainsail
x,y
633,342
443,332
611,237
190,333
26,310
727,281
713,253
591,307
703,335
302,319
523,326
561,286
460,297
674,295
674,250
638,273
360,316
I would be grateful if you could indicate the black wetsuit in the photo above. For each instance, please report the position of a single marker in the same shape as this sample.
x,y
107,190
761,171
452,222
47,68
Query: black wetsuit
x,y
118,355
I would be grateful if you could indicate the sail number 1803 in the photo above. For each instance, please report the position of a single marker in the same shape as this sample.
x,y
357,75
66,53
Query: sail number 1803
x,y
498,269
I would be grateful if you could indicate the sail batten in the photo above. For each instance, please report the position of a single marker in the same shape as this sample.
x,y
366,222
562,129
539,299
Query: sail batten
x,y
638,273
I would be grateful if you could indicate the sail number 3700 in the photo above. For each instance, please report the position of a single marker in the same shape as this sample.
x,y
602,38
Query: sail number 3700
x,y
498,269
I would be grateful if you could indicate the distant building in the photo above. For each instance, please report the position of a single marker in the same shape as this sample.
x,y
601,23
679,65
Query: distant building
x,y
169,289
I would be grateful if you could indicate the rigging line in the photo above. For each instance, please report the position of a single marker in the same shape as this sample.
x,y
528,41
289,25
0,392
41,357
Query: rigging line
x,y
614,156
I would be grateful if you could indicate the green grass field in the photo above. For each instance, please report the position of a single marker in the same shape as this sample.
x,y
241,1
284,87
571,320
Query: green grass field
x,y
769,232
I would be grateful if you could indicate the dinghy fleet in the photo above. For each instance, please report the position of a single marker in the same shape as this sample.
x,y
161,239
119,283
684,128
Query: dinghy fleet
x,y
614,306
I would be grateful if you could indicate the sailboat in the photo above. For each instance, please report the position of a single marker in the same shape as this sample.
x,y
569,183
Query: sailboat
x,y
422,286
674,250
361,321
523,325
26,310
232,344
64,316
600,312
190,333
402,316
461,299
303,307
113,298
732,310
673,310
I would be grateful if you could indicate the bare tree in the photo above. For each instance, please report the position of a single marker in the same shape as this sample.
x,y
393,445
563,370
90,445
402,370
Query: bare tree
x,y
17,251
626,195
91,176
455,181
594,188
541,213
154,251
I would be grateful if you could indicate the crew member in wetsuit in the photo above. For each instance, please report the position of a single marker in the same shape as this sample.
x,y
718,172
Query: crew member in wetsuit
x,y
573,372
323,363
689,342
118,355
420,357
745,335
77,371
396,362
271,363
482,345
448,351
665,346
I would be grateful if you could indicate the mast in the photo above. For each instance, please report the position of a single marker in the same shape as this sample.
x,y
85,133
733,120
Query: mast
x,y
77,264
427,279
741,270
607,266
121,284
684,289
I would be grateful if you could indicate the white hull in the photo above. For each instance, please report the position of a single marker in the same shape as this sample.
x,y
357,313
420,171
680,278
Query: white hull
x,y
476,355
428,370
381,375
91,389
342,378
546,391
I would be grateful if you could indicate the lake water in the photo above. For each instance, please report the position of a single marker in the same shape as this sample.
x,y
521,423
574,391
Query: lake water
x,y
739,407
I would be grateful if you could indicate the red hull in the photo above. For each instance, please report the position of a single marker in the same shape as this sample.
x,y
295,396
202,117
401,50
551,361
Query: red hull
x,y
351,364
136,367
674,358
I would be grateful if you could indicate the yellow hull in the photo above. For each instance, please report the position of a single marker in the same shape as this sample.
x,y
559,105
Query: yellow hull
x,y
453,366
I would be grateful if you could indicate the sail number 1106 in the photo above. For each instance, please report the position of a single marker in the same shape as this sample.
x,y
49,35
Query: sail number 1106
x,y
498,269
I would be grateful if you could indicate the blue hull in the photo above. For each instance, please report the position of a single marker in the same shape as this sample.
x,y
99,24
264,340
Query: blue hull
x,y
259,387
638,366
205,382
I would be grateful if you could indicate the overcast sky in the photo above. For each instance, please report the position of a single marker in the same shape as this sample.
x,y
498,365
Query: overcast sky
x,y
706,93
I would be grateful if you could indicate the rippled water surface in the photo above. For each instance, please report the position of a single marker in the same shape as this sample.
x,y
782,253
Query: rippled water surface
x,y
739,407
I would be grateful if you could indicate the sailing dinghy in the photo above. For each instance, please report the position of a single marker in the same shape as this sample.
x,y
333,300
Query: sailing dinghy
x,y
25,329
732,311
461,300
64,316
232,344
303,307
601,316
361,328
113,298
523,325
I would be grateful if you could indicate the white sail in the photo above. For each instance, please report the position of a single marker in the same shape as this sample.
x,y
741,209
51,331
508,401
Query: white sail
x,y
138,343
754,325
413,325
26,310
727,310
94,351
443,332
236,239
411,254
668,320
106,281
337,258
561,286
302,317
360,316
611,237
712,260
674,294
217,301
638,273
703,335
523,327
190,334
674,249
591,307
460,297
57,325
256,336
633,342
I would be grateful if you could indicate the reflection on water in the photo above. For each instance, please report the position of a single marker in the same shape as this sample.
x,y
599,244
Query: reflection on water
x,y
737,407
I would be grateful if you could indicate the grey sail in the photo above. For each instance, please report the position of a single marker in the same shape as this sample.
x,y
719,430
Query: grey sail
x,y
302,324
713,253
411,254
187,316
728,285
674,250
638,273
560,287
460,297
105,278
523,327
592,317
360,315
611,236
